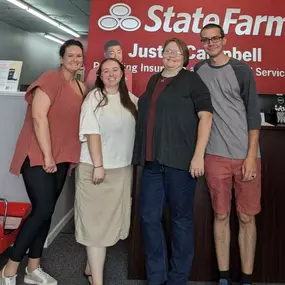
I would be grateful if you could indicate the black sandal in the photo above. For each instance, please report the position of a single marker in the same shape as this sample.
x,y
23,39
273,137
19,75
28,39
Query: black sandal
x,y
87,275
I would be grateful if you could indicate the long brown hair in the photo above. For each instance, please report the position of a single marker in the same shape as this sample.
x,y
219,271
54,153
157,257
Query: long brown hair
x,y
123,90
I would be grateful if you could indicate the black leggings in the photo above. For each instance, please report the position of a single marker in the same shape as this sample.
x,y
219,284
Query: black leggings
x,y
43,190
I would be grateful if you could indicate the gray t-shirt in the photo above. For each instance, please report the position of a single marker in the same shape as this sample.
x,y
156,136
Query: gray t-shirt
x,y
236,107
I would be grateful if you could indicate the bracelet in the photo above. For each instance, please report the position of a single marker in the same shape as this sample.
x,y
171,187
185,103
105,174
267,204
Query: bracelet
x,y
98,166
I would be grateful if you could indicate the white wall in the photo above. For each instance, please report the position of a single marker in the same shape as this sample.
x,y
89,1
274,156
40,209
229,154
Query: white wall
x,y
12,113
37,53
12,188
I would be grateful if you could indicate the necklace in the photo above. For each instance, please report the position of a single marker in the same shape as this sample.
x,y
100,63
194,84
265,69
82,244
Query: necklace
x,y
172,74
163,78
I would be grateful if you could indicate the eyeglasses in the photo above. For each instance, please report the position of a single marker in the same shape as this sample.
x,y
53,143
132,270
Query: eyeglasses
x,y
214,40
172,52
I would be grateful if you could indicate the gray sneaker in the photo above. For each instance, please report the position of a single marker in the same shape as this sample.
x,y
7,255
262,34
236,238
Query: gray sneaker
x,y
7,280
39,277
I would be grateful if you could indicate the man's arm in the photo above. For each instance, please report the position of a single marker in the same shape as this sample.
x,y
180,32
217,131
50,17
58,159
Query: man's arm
x,y
249,94
249,167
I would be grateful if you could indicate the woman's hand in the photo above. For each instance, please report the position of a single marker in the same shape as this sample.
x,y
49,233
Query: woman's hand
x,y
197,166
204,128
49,166
98,175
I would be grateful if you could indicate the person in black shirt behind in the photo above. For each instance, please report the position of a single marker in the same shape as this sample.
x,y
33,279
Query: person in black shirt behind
x,y
173,127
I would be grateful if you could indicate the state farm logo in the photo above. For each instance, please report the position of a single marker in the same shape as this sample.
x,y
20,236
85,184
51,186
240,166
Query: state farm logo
x,y
172,20
119,17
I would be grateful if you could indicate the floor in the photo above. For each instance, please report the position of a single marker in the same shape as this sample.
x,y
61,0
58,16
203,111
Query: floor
x,y
64,259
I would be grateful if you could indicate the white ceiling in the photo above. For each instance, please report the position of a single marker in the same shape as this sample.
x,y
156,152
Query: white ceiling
x,y
72,13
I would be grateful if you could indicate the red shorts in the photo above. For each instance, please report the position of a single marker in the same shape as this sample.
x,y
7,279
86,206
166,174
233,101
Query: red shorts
x,y
223,174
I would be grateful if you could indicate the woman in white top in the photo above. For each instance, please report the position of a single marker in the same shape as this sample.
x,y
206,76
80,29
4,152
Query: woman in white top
x,y
104,175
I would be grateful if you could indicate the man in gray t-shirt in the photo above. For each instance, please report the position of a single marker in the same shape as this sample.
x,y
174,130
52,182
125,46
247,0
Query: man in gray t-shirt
x,y
232,155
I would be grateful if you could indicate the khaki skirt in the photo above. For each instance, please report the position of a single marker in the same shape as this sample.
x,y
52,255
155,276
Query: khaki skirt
x,y
102,212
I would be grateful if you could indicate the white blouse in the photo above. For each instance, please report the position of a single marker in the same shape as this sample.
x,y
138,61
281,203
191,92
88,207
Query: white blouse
x,y
114,123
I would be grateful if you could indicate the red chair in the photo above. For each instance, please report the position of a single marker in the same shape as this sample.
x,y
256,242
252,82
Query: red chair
x,y
15,211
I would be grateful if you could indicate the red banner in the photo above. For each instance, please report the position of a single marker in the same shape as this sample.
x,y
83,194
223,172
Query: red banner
x,y
255,31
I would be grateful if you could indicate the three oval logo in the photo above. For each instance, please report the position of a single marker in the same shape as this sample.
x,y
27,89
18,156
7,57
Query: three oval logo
x,y
119,17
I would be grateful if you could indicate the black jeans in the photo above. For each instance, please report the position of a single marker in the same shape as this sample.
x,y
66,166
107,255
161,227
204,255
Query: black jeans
x,y
43,190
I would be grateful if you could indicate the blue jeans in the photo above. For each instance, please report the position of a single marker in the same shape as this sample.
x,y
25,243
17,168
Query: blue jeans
x,y
160,185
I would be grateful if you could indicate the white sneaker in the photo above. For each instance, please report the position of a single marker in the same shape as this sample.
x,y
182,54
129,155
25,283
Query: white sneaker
x,y
7,280
39,277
